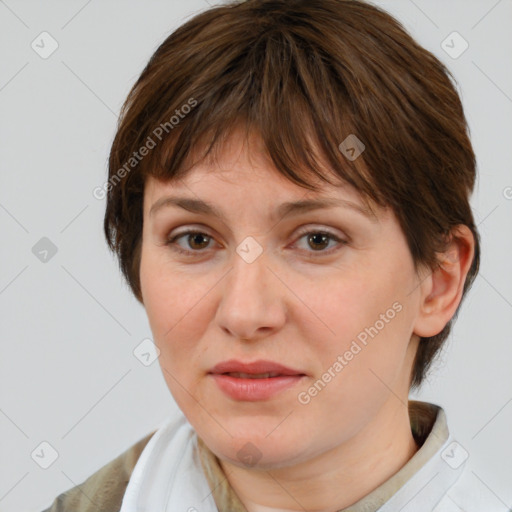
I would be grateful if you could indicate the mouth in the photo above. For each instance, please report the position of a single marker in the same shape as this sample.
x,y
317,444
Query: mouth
x,y
240,375
256,369
255,381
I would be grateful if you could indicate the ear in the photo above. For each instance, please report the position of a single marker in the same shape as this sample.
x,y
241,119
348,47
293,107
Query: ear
x,y
441,290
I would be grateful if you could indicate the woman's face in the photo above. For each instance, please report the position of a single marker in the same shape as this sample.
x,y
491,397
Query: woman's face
x,y
261,284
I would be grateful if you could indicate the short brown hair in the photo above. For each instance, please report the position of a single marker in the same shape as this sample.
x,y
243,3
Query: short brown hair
x,y
304,74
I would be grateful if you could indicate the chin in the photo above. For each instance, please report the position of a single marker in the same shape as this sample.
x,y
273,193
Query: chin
x,y
254,451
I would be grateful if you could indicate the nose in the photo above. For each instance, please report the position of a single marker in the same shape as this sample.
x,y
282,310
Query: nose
x,y
253,303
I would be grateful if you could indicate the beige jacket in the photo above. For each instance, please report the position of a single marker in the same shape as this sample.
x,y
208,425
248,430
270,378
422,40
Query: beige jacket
x,y
103,491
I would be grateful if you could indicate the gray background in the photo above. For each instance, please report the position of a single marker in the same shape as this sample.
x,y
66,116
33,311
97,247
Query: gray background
x,y
69,324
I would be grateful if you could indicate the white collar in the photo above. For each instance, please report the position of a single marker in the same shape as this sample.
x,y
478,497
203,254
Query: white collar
x,y
168,476
426,478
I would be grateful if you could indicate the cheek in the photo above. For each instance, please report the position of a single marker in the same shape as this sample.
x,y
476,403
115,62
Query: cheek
x,y
365,320
361,360
349,305
163,289
165,295
178,310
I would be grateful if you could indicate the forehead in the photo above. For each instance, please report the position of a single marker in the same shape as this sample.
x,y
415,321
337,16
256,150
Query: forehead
x,y
210,194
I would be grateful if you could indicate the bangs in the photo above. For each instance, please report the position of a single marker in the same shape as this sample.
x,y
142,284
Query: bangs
x,y
285,95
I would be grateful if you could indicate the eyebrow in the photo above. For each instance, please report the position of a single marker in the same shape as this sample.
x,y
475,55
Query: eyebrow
x,y
287,208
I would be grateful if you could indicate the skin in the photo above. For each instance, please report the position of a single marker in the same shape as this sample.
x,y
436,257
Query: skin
x,y
300,303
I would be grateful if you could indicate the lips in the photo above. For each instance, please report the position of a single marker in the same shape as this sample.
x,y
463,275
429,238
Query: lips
x,y
256,381
240,375
256,369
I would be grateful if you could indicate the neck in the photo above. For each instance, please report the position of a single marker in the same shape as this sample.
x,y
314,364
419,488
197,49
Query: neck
x,y
334,479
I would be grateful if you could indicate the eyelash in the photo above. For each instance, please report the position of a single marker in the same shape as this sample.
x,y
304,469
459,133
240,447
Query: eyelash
x,y
190,253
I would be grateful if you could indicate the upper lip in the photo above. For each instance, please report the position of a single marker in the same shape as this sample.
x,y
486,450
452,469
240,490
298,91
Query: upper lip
x,y
254,367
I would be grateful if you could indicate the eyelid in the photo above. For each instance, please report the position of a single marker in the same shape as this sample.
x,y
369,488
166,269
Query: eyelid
x,y
302,230
316,228
339,239
190,231
187,228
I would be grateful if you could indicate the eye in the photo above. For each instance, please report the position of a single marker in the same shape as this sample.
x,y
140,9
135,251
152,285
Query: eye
x,y
196,239
319,239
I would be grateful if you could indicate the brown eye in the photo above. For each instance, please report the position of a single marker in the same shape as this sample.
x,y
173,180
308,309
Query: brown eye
x,y
319,240
196,242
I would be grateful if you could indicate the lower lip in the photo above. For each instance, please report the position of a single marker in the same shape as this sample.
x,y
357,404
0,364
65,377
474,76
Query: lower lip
x,y
254,389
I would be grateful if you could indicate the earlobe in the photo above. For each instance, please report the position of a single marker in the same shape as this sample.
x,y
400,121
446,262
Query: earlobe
x,y
441,291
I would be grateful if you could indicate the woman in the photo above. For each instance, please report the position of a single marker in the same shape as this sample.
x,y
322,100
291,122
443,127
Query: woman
x,y
288,197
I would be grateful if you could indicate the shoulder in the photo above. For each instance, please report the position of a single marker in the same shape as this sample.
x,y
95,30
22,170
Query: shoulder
x,y
104,489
